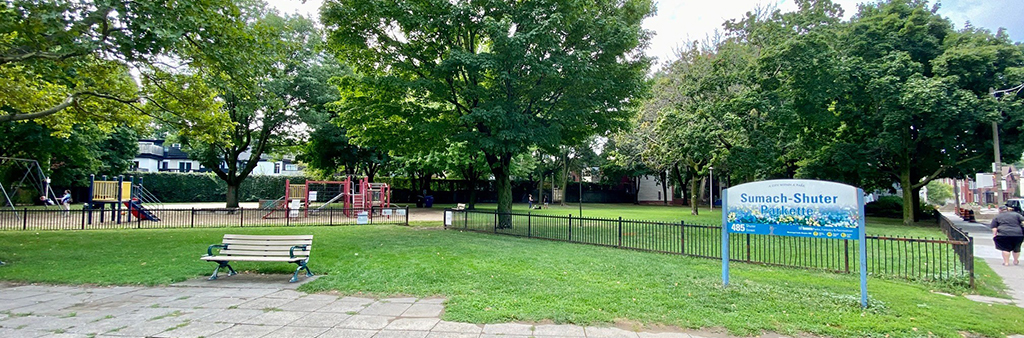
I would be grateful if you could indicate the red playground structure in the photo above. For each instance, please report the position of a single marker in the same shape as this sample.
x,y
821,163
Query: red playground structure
x,y
353,195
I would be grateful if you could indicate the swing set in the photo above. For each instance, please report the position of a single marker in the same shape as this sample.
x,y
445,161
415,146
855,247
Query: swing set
x,y
33,175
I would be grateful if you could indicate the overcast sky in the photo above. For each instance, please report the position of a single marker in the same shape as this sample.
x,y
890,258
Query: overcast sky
x,y
678,21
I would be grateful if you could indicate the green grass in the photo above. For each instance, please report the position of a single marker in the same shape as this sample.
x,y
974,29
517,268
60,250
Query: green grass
x,y
876,226
490,278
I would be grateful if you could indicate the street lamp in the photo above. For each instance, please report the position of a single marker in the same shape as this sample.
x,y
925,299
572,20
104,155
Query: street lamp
x,y
711,187
581,192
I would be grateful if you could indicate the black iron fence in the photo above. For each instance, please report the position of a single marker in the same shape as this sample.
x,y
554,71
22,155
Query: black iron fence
x,y
32,219
949,260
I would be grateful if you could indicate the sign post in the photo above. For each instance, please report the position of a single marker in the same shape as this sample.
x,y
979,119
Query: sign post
x,y
797,208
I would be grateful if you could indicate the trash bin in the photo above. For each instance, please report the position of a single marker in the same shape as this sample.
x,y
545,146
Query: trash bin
x,y
428,201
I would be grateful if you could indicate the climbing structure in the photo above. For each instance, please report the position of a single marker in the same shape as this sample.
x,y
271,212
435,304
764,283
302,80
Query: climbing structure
x,y
352,195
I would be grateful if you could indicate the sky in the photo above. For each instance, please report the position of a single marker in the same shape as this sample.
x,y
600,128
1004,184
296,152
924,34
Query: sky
x,y
679,21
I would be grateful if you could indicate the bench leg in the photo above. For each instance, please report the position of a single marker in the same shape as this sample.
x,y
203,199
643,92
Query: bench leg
x,y
295,276
231,271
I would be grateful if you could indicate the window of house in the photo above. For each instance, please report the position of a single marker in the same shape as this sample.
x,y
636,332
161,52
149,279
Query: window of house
x,y
277,168
181,166
164,165
291,167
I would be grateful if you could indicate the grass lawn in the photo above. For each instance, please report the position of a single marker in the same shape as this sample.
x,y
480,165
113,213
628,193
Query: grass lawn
x,y
876,225
490,278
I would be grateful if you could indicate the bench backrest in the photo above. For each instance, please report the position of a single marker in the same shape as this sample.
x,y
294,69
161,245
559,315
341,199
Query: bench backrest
x,y
460,206
265,246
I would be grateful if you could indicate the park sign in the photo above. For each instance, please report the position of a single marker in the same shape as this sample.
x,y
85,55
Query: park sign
x,y
797,208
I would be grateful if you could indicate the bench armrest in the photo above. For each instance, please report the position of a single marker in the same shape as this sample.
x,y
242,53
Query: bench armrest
x,y
291,252
209,251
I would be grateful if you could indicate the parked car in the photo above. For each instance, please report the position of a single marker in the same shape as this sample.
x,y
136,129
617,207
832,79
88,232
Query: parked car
x,y
1016,204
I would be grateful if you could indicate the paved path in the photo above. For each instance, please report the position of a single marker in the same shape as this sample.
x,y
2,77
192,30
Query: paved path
x,y
984,248
250,306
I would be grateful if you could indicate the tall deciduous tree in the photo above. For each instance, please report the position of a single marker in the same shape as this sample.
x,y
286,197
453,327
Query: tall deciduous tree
x,y
500,75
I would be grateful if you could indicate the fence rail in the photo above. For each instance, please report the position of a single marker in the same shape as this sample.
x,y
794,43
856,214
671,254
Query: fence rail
x,y
944,260
31,219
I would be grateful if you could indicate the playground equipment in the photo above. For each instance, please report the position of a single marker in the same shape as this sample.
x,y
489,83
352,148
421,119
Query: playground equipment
x,y
33,175
312,197
117,193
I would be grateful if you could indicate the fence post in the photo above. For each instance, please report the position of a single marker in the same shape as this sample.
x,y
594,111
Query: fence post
x,y
748,247
192,221
682,237
495,222
288,218
529,224
620,231
330,216
407,215
846,255
24,219
83,219
241,215
570,227
970,259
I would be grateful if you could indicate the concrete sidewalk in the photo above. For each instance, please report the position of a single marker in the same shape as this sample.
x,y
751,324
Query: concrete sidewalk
x,y
984,248
251,306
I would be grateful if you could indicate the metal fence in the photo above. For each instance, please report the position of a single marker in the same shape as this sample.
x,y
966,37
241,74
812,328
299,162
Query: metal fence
x,y
32,219
949,260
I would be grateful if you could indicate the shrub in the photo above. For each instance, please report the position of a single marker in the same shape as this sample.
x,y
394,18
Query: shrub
x,y
892,207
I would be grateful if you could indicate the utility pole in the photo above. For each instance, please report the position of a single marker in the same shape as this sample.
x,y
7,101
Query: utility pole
x,y
997,170
711,187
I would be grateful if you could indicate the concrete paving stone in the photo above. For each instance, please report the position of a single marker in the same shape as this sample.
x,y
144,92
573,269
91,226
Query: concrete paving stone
x,y
195,329
160,292
15,333
609,332
232,316
401,334
186,302
264,303
321,319
40,323
409,300
455,327
290,294
360,300
241,293
308,305
343,307
16,303
298,332
320,298
503,336
196,314
115,290
66,335
434,334
10,294
664,335
3,316
437,301
559,330
148,313
104,325
348,333
223,302
364,322
509,329
424,310
385,309
46,309
414,324
275,318
247,331
150,328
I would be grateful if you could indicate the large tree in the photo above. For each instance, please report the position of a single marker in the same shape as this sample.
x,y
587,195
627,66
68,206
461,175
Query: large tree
x,y
68,62
266,76
502,76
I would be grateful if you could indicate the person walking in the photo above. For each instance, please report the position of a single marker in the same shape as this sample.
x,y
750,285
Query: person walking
x,y
65,201
530,198
1008,234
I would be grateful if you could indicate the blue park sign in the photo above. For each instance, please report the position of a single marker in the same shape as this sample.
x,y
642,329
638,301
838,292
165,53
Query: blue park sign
x,y
799,208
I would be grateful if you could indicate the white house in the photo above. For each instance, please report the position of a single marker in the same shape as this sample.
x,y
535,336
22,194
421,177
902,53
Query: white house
x,y
651,191
156,156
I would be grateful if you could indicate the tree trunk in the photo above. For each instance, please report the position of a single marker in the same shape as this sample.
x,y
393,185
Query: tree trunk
x,y
636,190
472,195
501,168
664,186
908,196
693,195
916,195
232,195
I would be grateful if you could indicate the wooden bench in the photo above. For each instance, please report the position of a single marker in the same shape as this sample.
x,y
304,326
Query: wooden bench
x,y
255,248
460,206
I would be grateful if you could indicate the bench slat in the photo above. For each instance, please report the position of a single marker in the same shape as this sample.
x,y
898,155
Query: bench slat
x,y
264,247
276,238
252,259
261,253
267,243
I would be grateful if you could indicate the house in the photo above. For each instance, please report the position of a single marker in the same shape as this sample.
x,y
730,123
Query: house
x,y
651,191
981,188
158,156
